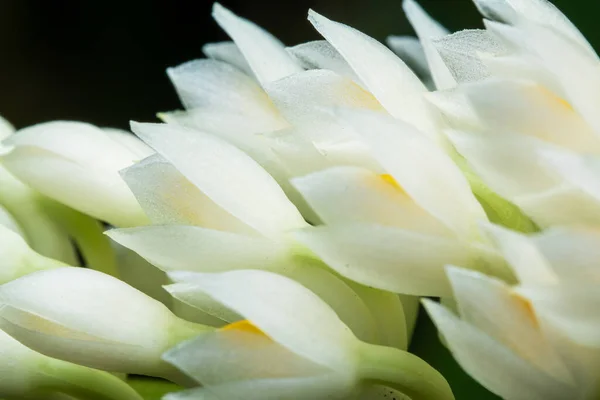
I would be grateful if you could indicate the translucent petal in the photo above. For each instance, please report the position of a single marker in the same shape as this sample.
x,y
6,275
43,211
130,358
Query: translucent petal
x,y
494,366
304,98
428,29
533,111
320,54
215,86
264,53
6,129
461,52
167,197
410,50
229,177
396,87
227,52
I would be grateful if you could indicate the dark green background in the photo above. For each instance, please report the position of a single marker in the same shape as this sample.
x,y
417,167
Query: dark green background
x,y
104,61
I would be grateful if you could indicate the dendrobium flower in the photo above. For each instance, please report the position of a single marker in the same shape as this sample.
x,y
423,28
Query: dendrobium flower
x,y
543,333
92,319
205,225
311,353
300,205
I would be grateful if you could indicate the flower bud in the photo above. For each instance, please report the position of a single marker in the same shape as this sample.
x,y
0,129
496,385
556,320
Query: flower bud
x,y
89,318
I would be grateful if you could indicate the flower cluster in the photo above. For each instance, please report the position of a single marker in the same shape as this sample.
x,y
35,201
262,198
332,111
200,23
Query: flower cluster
x,y
273,240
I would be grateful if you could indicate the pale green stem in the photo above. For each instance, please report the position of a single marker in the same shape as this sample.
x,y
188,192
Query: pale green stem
x,y
83,383
402,371
88,233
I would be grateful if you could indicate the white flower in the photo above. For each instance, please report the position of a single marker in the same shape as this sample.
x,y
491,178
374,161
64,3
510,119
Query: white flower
x,y
218,210
395,231
43,155
523,119
92,319
536,340
30,375
311,354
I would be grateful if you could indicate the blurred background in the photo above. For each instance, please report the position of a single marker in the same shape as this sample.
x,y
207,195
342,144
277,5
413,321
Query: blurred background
x,y
104,61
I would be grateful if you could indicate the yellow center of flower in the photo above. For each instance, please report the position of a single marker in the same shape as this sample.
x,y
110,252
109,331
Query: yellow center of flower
x,y
390,179
527,307
243,326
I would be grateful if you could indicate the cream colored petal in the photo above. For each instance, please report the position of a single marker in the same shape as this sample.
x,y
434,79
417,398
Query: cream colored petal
x,y
98,192
428,29
167,197
396,87
284,310
410,50
461,53
320,54
264,53
216,87
494,366
529,264
394,259
227,52
6,129
421,168
494,308
228,176
350,194
191,248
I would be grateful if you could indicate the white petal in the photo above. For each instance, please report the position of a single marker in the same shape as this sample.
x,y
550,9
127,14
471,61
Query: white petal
x,y
350,194
533,111
570,307
264,53
320,54
538,11
284,310
561,57
303,98
461,53
229,177
528,263
428,29
232,355
495,309
6,129
321,387
421,168
396,87
572,252
190,295
192,248
167,197
410,50
8,221
93,311
213,86
17,259
96,192
393,259
227,52
43,155
494,366
509,164
131,142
